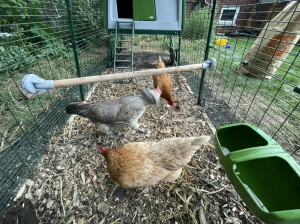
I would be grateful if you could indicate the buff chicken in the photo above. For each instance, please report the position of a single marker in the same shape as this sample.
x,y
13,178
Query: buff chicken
x,y
145,164
164,83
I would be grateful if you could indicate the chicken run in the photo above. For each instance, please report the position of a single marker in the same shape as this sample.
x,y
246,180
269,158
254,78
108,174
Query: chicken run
x,y
193,146
71,184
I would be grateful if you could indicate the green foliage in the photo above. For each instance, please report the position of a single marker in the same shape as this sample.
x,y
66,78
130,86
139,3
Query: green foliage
x,y
40,29
197,23
29,36
89,16
14,12
11,57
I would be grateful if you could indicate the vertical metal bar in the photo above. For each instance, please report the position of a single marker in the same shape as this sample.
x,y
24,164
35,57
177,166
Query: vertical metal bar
x,y
115,49
179,49
183,14
207,51
180,32
74,43
109,51
132,44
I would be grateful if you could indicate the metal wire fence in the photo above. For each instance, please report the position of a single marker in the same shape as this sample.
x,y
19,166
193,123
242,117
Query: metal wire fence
x,y
61,39
272,104
267,94
38,37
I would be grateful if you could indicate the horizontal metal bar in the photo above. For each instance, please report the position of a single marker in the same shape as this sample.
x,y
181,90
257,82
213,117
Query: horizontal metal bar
x,y
120,54
122,67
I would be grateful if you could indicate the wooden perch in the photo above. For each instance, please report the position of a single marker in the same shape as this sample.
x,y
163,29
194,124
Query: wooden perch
x,y
123,75
34,84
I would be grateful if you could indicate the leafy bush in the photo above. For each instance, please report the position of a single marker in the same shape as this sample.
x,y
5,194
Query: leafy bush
x,y
29,35
12,55
40,29
90,21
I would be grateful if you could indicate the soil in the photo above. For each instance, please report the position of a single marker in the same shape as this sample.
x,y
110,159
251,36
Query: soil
x,y
22,211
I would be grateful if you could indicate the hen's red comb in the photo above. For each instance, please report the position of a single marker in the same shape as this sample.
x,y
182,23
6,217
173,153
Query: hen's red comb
x,y
100,148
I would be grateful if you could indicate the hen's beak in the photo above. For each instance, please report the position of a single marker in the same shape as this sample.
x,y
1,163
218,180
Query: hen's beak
x,y
158,91
171,103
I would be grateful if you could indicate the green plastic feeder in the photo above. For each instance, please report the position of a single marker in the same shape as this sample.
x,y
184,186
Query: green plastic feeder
x,y
265,176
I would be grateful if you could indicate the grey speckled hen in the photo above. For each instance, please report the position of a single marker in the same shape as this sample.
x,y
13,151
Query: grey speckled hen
x,y
113,115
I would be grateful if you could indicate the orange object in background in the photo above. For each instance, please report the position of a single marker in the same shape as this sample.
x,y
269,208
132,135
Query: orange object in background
x,y
274,44
279,43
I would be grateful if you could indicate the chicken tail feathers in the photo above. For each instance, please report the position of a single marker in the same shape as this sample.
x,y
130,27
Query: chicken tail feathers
x,y
200,140
77,108
174,153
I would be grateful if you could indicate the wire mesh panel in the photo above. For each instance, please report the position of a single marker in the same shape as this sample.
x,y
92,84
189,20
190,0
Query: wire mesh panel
x,y
37,37
256,46
146,46
90,27
194,39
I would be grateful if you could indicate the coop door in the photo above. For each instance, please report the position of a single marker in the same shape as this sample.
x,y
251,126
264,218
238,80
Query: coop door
x,y
125,9
144,10
139,10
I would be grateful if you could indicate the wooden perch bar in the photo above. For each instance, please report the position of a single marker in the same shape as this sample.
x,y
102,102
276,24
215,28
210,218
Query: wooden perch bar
x,y
33,84
123,75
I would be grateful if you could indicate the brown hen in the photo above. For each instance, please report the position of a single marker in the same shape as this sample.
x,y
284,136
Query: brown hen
x,y
145,164
164,82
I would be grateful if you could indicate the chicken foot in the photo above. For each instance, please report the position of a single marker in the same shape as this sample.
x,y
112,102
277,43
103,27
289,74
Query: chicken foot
x,y
136,126
141,130
120,134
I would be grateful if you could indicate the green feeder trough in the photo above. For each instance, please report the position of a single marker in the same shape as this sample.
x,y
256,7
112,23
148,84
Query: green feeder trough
x,y
265,176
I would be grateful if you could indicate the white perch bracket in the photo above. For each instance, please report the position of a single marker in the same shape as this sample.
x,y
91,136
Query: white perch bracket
x,y
34,84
